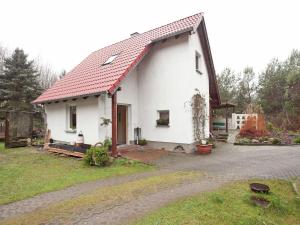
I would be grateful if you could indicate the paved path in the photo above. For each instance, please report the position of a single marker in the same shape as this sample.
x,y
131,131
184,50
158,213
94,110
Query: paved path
x,y
225,164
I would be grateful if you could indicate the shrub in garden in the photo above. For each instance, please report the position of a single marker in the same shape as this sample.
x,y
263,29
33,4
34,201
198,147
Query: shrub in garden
x,y
107,142
297,140
142,142
254,127
263,139
276,141
88,157
244,141
97,156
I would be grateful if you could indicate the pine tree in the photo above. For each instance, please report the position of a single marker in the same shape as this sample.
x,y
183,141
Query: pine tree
x,y
19,83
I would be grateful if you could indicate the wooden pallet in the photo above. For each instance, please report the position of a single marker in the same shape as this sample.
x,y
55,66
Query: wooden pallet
x,y
65,152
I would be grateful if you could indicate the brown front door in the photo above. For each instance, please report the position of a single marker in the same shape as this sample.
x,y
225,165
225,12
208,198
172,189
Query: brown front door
x,y
122,123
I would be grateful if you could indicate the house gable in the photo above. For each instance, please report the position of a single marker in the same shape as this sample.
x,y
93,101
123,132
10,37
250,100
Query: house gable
x,y
213,86
91,77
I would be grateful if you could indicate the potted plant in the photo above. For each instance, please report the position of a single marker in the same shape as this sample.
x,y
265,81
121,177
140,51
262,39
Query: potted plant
x,y
199,121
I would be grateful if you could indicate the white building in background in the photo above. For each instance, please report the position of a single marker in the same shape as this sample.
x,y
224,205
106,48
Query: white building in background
x,y
238,120
154,75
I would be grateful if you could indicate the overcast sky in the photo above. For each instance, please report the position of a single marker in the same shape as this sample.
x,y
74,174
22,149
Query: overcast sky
x,y
63,32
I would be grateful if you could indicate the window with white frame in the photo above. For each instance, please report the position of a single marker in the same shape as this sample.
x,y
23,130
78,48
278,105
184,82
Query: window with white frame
x,y
72,117
110,59
163,118
198,62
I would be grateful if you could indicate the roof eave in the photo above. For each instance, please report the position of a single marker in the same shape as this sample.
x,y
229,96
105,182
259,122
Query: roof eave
x,y
36,102
213,86
186,30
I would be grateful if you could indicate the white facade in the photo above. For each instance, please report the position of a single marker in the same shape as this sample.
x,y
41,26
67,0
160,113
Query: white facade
x,y
164,80
238,120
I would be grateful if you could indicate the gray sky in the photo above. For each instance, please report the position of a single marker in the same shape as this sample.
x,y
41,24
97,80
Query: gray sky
x,y
63,32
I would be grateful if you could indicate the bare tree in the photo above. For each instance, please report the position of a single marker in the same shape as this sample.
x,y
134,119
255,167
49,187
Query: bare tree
x,y
47,76
3,54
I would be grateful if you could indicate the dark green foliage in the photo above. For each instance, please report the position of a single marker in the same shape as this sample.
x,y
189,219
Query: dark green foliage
x,y
142,142
276,141
97,156
88,158
107,142
105,121
212,141
297,140
279,88
227,80
237,88
244,141
277,91
101,156
19,83
245,90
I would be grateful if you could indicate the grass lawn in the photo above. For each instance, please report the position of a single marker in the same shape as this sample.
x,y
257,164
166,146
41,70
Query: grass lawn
x,y
230,205
25,172
108,197
1,146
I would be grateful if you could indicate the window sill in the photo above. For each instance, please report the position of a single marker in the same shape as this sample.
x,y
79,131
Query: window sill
x,y
198,71
71,131
157,125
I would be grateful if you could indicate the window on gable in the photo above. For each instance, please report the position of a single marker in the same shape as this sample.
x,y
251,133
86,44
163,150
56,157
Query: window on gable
x,y
198,62
72,117
110,59
163,118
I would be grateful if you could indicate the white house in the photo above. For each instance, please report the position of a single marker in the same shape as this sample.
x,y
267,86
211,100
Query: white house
x,y
144,81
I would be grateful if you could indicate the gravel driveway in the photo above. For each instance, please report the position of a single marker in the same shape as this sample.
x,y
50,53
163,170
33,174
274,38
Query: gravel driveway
x,y
225,164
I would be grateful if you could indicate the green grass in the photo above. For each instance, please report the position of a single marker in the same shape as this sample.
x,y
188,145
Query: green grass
x,y
26,172
62,212
231,205
1,146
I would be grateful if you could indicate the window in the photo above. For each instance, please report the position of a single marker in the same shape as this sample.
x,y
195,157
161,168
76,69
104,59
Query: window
x,y
110,59
72,117
163,118
198,62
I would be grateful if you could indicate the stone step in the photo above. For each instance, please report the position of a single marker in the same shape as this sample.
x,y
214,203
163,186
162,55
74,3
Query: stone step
x,y
222,135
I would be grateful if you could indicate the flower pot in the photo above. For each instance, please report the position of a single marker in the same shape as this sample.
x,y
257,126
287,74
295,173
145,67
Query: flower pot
x,y
204,149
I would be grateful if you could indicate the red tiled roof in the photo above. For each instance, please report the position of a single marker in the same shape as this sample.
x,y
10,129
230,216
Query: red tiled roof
x,y
89,77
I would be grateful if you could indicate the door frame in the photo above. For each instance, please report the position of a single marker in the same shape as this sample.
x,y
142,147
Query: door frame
x,y
126,122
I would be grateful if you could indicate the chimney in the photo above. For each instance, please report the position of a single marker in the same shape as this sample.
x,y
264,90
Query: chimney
x,y
134,34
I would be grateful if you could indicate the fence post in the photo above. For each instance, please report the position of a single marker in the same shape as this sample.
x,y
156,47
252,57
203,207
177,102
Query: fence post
x,y
6,135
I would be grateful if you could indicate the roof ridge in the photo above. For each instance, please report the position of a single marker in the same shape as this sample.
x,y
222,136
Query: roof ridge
x,y
200,13
171,22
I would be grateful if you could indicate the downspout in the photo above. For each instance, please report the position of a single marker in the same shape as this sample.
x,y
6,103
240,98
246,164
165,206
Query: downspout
x,y
114,123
